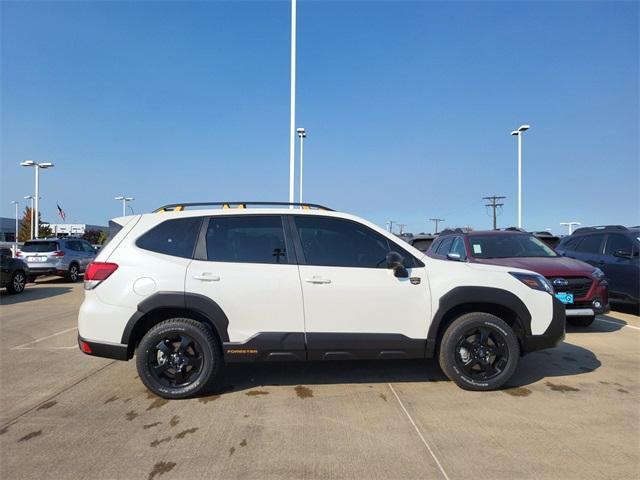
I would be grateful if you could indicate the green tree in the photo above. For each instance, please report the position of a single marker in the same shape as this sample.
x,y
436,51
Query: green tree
x,y
24,232
102,239
92,236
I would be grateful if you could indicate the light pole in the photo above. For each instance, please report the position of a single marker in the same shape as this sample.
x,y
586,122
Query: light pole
x,y
302,134
570,225
30,197
17,204
389,224
124,200
292,119
518,133
37,166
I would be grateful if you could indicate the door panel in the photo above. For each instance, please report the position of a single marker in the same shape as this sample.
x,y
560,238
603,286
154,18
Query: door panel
x,y
353,304
621,273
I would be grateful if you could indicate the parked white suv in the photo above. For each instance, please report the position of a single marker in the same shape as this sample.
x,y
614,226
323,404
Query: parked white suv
x,y
191,290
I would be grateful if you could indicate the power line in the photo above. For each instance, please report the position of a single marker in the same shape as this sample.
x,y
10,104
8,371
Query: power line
x,y
437,221
493,203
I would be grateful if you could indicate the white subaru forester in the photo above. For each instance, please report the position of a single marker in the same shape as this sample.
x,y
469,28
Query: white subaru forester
x,y
188,290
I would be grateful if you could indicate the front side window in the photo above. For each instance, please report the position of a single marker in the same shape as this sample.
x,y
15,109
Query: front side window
x,y
458,247
246,239
591,244
444,246
616,243
342,243
175,237
508,246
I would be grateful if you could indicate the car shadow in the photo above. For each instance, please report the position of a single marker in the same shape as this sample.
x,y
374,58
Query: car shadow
x,y
626,308
566,359
31,294
606,325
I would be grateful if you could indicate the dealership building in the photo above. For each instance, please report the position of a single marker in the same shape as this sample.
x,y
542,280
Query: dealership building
x,y
8,229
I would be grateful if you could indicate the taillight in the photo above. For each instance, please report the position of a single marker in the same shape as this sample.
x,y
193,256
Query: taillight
x,y
58,253
98,272
18,253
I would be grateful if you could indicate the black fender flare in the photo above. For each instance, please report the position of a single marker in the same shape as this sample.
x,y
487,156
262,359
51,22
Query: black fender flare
x,y
190,301
480,295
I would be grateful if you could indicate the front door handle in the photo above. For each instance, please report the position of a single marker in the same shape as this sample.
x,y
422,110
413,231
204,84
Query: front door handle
x,y
207,277
317,280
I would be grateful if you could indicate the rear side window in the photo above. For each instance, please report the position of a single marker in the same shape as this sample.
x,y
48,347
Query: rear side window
x,y
246,239
39,247
175,237
591,244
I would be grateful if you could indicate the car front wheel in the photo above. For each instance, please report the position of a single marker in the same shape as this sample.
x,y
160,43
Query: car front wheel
x,y
178,358
17,283
479,351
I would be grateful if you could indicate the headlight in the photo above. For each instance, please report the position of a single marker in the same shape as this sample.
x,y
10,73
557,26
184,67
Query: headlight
x,y
532,280
597,274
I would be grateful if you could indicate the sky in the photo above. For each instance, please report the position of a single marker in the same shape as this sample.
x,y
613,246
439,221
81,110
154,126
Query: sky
x,y
408,107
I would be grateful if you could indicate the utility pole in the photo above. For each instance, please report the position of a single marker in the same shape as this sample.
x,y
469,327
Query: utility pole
x,y
390,225
437,221
402,225
493,203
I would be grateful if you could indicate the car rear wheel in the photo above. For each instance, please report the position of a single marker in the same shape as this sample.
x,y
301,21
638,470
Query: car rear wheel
x,y
17,283
479,351
178,358
581,321
73,274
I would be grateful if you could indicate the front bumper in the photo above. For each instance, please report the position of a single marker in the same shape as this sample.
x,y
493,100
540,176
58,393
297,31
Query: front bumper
x,y
553,335
117,351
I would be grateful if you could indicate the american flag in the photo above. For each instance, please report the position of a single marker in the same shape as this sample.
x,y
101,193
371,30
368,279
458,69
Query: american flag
x,y
63,215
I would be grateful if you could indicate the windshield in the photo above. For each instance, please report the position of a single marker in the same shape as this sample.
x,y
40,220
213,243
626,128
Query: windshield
x,y
508,246
40,247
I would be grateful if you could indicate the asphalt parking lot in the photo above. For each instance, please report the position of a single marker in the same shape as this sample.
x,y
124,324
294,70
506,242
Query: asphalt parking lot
x,y
570,412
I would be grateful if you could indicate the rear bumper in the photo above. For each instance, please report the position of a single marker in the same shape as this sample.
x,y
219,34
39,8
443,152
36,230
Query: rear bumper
x,y
117,351
553,335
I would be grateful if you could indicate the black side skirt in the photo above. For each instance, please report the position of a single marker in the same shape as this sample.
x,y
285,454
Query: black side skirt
x,y
281,346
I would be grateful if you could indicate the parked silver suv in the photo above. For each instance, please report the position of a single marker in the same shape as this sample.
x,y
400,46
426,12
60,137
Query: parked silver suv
x,y
65,257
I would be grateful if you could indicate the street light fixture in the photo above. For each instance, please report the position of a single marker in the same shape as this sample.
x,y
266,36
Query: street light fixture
x,y
518,133
37,166
302,134
124,200
570,225
30,197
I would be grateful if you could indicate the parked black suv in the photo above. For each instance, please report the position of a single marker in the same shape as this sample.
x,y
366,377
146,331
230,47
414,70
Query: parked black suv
x,y
615,250
14,272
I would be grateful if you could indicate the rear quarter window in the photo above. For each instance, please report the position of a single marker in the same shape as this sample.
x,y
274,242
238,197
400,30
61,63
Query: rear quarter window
x,y
176,237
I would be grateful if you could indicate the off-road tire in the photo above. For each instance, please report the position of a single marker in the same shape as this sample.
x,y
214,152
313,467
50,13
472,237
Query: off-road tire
x,y
207,345
456,333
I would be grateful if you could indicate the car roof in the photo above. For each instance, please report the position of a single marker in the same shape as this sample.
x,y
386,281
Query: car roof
x,y
487,232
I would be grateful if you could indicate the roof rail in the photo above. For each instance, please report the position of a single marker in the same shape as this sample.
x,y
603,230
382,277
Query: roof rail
x,y
178,207
601,228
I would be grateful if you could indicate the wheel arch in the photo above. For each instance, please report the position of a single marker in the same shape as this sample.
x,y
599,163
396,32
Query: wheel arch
x,y
460,300
164,305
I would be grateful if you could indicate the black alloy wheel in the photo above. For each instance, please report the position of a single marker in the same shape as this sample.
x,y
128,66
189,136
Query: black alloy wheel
x,y
482,353
175,361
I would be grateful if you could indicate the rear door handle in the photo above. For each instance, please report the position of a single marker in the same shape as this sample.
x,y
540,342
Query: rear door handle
x,y
207,277
317,280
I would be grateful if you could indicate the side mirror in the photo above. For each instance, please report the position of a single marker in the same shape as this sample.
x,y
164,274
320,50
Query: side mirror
x,y
454,256
622,254
395,261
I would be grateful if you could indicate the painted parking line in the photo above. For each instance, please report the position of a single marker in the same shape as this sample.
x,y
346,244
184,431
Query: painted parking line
x,y
25,346
620,324
433,455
